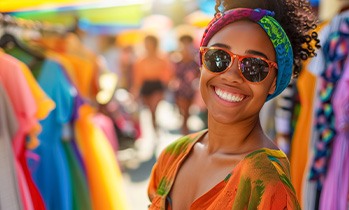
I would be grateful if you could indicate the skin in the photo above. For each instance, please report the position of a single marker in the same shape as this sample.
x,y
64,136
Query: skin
x,y
152,101
234,128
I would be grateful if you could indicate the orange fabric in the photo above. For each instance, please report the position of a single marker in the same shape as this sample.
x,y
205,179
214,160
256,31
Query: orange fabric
x,y
152,69
81,72
259,181
103,174
303,130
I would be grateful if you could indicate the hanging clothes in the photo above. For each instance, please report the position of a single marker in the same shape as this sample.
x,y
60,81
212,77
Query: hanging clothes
x,y
83,80
103,173
51,173
335,189
301,138
300,144
25,109
80,191
9,192
106,124
336,51
317,164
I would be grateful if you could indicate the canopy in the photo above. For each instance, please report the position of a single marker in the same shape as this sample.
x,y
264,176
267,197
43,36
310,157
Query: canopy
x,y
94,16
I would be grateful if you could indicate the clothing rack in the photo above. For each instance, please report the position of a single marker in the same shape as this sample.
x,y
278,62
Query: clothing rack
x,y
7,20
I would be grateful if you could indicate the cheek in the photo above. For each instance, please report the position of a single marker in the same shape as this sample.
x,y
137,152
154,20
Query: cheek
x,y
203,85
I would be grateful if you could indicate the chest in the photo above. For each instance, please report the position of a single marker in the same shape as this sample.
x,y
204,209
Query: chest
x,y
197,177
152,65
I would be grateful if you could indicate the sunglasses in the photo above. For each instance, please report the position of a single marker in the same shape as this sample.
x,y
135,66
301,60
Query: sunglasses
x,y
253,68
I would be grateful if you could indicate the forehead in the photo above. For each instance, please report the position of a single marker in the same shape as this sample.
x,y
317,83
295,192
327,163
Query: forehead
x,y
244,35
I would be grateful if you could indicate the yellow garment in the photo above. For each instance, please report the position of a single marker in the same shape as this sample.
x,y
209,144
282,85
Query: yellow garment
x,y
44,105
303,130
103,174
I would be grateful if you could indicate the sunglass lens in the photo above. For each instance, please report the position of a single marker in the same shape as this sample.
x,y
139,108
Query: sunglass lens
x,y
254,69
217,60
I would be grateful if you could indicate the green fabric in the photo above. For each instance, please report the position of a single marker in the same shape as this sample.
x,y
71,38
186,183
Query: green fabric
x,y
81,196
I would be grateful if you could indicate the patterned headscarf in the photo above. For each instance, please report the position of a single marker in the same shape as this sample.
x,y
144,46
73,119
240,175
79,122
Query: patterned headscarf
x,y
281,43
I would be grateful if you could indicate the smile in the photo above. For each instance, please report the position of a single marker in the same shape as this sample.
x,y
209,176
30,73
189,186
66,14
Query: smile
x,y
226,96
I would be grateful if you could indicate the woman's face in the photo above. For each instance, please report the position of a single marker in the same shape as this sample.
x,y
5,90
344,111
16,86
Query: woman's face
x,y
228,97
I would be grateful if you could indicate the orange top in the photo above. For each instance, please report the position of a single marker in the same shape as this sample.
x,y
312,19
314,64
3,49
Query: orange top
x,y
259,181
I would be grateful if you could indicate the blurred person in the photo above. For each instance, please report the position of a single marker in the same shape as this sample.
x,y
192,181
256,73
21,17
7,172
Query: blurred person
x,y
151,75
108,49
126,62
186,79
247,56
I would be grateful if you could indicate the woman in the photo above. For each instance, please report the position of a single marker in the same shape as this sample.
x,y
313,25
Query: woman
x,y
247,57
186,74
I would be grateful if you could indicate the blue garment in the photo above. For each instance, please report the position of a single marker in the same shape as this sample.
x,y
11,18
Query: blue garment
x,y
51,173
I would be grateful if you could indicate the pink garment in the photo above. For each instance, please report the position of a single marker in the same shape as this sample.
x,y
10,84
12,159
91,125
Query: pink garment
x,y
25,109
106,124
334,193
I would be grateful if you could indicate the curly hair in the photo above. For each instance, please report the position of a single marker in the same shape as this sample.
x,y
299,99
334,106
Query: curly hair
x,y
295,16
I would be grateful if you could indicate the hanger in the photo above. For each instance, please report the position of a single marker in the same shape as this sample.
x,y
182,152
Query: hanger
x,y
8,40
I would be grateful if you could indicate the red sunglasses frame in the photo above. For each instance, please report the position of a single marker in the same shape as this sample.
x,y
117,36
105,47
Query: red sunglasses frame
x,y
203,50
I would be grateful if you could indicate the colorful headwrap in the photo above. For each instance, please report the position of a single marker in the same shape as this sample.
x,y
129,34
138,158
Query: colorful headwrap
x,y
282,45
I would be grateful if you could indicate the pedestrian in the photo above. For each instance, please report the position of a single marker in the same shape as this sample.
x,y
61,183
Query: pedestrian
x,y
151,76
248,54
185,81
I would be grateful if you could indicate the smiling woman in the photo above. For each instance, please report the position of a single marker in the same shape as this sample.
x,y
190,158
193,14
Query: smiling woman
x,y
248,53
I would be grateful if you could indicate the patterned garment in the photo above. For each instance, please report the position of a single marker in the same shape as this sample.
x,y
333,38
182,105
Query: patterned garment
x,y
187,72
261,180
336,49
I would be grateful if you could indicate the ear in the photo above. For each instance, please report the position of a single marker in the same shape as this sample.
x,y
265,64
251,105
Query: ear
x,y
272,87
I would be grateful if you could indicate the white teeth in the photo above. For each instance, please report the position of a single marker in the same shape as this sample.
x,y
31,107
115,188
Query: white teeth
x,y
228,96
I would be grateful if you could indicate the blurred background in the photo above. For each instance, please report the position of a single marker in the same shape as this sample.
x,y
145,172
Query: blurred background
x,y
85,137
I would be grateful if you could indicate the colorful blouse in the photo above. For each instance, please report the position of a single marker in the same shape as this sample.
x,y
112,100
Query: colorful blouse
x,y
261,180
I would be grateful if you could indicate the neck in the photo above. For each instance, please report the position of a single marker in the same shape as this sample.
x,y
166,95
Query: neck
x,y
236,138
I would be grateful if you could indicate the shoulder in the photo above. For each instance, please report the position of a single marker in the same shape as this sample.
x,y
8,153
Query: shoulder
x,y
265,174
269,165
180,147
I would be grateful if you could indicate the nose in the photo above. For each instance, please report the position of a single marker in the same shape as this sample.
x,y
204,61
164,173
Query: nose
x,y
233,74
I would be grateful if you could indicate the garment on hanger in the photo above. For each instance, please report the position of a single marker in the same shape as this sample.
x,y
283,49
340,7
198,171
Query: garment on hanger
x,y
103,173
306,85
335,49
51,173
334,194
25,109
8,40
9,192
312,184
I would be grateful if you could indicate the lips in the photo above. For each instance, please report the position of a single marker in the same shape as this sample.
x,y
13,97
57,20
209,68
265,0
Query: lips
x,y
228,96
